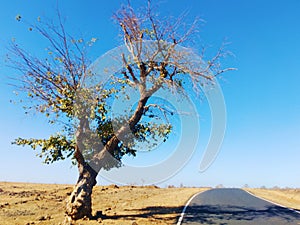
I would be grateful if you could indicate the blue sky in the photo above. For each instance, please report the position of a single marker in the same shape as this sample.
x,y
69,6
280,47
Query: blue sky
x,y
261,145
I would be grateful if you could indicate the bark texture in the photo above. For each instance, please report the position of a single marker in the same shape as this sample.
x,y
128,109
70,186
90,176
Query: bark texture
x,y
79,204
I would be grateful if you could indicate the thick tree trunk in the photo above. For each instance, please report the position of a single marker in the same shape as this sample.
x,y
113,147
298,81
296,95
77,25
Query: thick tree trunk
x,y
79,204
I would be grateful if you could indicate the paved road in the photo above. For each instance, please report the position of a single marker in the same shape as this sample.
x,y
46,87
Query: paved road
x,y
236,207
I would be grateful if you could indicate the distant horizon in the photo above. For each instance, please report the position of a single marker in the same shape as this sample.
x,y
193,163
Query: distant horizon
x,y
161,185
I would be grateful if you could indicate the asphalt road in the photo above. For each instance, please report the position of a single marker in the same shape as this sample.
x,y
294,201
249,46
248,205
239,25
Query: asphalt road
x,y
237,207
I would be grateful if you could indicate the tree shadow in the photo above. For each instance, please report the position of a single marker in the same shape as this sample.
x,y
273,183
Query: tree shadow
x,y
208,214
154,212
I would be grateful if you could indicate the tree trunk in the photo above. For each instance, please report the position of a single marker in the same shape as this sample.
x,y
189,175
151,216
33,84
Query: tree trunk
x,y
79,204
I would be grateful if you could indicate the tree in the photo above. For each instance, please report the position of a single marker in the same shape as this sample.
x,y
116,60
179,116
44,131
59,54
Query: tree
x,y
220,186
57,88
246,186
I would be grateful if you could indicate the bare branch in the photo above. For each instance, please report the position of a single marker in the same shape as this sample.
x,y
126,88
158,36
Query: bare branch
x,y
164,110
130,70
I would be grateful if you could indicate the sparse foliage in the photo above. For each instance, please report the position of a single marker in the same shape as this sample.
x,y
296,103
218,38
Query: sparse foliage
x,y
55,87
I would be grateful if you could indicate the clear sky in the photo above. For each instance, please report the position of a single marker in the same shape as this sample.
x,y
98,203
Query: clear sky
x,y
262,143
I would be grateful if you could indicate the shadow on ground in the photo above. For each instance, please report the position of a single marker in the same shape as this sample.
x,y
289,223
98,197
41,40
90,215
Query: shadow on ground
x,y
208,214
158,213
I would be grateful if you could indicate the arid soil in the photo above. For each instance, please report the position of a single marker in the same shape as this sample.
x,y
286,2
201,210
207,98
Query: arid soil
x,y
286,197
26,204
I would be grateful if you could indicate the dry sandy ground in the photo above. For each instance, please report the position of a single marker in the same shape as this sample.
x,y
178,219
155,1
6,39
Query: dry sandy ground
x,y
286,197
26,204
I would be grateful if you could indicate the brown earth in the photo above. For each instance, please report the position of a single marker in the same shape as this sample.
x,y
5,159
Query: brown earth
x,y
286,197
26,204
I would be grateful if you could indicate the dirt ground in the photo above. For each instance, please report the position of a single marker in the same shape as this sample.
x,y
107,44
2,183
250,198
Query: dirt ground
x,y
26,204
286,197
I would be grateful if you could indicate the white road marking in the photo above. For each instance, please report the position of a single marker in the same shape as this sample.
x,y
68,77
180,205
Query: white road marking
x,y
272,202
189,201
185,207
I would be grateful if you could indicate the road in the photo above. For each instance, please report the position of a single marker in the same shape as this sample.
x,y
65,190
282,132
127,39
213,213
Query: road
x,y
236,207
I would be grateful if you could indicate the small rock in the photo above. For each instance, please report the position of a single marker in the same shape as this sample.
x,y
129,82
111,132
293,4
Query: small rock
x,y
113,186
41,218
1,190
134,223
86,218
48,217
152,186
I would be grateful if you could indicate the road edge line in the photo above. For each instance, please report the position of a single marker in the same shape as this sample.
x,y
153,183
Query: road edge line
x,y
185,207
294,210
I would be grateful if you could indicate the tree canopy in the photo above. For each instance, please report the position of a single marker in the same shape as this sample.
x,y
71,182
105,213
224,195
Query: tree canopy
x,y
80,98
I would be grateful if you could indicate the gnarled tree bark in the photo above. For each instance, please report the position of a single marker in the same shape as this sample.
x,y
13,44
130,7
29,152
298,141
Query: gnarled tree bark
x,y
79,204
